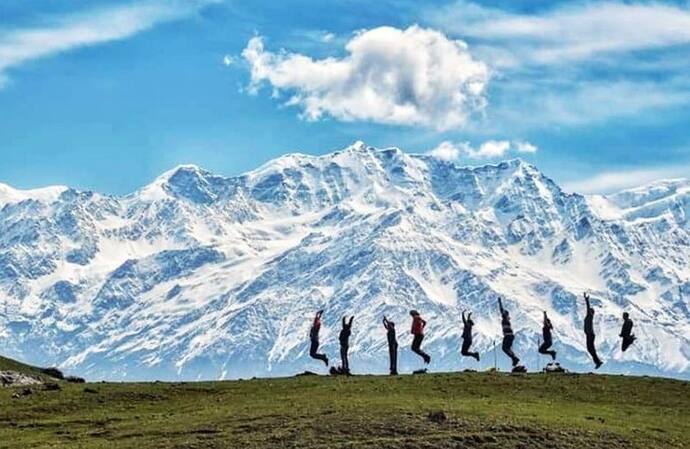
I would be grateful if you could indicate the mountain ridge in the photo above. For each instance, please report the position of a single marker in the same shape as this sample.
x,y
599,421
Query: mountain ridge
x,y
197,275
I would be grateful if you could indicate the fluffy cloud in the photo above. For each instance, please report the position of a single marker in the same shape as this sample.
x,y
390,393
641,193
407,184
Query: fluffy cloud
x,y
414,76
86,29
449,151
568,32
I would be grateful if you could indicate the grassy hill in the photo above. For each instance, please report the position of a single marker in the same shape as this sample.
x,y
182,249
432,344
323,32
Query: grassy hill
x,y
12,365
482,410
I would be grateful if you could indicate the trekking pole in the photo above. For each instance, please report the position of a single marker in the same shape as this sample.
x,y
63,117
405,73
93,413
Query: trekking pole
x,y
495,363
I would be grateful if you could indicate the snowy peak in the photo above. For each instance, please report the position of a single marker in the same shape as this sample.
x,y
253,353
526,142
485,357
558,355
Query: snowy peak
x,y
9,195
203,276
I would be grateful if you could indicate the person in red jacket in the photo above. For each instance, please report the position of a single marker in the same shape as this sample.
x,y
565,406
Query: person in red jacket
x,y
418,325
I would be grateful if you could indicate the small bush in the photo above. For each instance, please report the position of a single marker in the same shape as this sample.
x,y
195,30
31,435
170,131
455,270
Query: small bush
x,y
53,372
75,379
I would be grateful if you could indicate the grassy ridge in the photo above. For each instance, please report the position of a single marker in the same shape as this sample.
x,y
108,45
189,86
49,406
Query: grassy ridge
x,y
12,365
483,411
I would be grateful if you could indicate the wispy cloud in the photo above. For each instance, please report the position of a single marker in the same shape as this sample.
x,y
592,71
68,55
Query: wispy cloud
x,y
615,181
87,28
450,151
414,76
570,31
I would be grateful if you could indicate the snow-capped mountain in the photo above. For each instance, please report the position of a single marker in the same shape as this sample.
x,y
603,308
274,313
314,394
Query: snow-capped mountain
x,y
201,276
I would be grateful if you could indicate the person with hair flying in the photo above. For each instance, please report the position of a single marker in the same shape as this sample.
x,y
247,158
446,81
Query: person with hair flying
x,y
548,339
418,325
589,333
467,325
508,336
314,337
392,345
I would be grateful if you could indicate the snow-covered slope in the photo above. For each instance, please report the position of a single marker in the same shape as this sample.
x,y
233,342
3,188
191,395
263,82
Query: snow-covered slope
x,y
201,276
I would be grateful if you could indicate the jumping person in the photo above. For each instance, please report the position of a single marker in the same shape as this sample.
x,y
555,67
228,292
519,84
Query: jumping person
x,y
589,333
345,344
392,345
548,339
314,337
626,332
508,336
418,325
467,336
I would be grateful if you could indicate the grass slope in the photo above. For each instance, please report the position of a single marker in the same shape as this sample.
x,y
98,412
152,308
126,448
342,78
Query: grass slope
x,y
484,410
12,365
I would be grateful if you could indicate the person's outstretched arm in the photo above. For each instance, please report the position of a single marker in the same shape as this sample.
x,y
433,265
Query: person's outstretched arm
x,y
343,321
589,306
500,305
385,323
464,321
351,318
546,318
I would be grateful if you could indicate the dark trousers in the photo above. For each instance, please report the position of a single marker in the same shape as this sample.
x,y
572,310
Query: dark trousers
x,y
627,341
507,347
345,363
313,351
417,347
393,355
544,349
592,350
466,344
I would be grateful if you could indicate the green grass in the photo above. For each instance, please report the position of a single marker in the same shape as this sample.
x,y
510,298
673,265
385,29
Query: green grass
x,y
484,410
12,365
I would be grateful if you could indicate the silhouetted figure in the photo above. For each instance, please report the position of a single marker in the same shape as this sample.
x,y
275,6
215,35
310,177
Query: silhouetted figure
x,y
467,336
418,325
392,345
345,344
314,337
589,333
508,336
626,332
548,339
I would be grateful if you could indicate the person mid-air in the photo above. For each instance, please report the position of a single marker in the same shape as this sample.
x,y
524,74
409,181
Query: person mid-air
x,y
589,333
626,332
548,339
392,345
345,344
508,336
314,337
467,336
418,325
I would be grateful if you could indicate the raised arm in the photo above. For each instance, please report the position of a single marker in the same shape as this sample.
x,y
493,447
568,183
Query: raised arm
x,y
500,305
344,323
385,322
464,321
351,318
589,306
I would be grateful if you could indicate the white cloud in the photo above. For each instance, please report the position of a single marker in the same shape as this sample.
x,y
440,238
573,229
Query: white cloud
x,y
568,32
450,151
228,60
414,76
65,33
447,151
615,181
327,37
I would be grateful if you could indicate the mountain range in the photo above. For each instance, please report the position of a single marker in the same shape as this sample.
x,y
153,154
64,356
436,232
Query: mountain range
x,y
200,276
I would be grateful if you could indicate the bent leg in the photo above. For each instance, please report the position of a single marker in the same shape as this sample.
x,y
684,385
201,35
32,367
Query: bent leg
x,y
507,348
593,350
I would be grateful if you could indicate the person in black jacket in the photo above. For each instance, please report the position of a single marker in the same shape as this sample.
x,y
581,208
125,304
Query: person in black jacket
x,y
589,333
626,332
508,336
392,345
314,337
345,344
548,339
467,336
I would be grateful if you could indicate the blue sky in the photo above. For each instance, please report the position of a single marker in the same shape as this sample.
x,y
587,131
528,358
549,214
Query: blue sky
x,y
106,96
